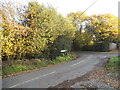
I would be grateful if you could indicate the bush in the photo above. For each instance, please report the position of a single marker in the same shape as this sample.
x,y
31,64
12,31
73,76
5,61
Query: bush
x,y
42,29
61,59
61,43
101,46
82,41
85,42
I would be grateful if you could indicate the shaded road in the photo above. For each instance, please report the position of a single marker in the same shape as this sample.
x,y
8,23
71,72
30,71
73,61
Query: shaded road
x,y
52,76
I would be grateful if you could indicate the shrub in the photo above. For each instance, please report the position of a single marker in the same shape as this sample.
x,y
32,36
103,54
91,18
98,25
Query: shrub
x,y
60,59
61,43
101,46
38,32
82,41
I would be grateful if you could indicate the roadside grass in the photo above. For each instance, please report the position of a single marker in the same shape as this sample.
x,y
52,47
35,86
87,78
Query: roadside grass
x,y
12,67
64,58
114,64
22,65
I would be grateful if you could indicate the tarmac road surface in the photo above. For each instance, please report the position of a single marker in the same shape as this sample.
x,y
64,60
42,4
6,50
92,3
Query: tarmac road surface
x,y
54,75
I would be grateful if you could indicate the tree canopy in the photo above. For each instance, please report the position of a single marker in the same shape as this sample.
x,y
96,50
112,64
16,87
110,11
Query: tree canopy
x,y
40,26
37,30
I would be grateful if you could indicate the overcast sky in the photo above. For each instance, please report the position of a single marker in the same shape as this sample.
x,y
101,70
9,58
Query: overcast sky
x,y
66,6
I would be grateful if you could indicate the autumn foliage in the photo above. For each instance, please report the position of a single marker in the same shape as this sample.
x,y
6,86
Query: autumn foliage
x,y
39,31
95,32
28,32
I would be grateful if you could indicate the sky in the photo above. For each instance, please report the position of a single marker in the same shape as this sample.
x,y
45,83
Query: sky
x,y
64,7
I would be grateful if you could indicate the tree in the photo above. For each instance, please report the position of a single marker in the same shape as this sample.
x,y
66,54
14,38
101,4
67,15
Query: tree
x,y
13,33
99,29
82,37
104,27
47,26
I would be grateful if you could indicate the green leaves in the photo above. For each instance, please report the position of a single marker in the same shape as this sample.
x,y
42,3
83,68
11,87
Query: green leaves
x,y
40,27
93,29
103,27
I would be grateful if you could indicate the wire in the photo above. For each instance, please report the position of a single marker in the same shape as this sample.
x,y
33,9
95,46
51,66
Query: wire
x,y
87,8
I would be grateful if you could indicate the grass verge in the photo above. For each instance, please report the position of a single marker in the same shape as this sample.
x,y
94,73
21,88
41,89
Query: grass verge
x,y
13,67
113,64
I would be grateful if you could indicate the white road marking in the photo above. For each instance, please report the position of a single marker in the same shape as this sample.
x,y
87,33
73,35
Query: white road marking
x,y
32,79
80,61
104,56
76,63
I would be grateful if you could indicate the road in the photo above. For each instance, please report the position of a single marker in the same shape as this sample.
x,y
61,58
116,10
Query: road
x,y
54,75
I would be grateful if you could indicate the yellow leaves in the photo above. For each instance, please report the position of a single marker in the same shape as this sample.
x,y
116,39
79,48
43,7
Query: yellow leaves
x,y
43,25
8,52
106,25
7,48
91,42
